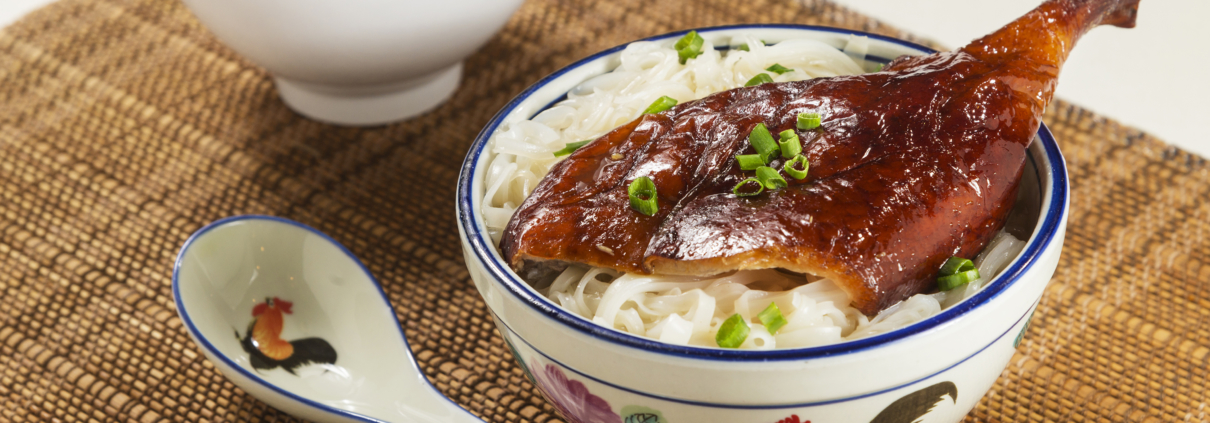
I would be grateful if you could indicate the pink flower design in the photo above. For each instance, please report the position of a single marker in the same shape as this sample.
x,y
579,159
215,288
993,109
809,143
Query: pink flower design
x,y
572,398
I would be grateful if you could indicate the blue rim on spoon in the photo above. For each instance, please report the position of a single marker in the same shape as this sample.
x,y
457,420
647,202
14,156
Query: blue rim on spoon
x,y
213,351
470,221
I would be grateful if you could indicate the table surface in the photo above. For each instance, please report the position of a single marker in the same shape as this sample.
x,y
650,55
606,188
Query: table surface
x,y
1168,102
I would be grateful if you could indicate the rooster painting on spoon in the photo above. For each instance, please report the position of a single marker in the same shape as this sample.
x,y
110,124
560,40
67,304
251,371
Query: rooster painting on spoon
x,y
267,350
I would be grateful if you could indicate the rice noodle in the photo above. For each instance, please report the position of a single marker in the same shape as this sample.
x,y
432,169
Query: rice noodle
x,y
689,310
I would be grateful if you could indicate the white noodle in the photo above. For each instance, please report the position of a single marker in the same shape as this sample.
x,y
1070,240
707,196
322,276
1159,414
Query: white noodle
x,y
689,310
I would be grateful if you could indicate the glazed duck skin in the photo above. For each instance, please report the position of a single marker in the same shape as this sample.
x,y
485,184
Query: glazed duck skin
x,y
912,165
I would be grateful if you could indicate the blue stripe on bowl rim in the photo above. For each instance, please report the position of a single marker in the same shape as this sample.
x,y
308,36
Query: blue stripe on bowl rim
x,y
484,250
203,342
1023,317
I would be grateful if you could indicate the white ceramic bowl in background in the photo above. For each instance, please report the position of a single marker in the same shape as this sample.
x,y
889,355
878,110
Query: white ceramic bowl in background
x,y
592,373
357,62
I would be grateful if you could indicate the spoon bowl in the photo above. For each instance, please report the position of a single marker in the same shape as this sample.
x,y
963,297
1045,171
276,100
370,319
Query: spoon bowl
x,y
293,318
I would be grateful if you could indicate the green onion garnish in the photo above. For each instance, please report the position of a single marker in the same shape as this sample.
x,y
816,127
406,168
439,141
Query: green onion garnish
x,y
762,78
689,46
733,332
762,141
795,172
570,147
954,265
770,178
660,104
956,272
772,319
739,192
946,283
880,66
750,161
789,144
643,196
808,121
778,69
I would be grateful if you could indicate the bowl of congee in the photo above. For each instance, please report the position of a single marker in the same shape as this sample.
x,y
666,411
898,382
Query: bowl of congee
x,y
774,223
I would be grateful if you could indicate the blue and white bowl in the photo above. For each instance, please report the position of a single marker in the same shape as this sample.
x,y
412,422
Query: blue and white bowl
x,y
595,374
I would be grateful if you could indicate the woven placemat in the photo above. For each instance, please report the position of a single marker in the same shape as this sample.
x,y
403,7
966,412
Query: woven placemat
x,y
125,126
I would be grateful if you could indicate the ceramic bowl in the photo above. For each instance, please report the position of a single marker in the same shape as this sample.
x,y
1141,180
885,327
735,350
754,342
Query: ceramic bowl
x,y
594,374
357,62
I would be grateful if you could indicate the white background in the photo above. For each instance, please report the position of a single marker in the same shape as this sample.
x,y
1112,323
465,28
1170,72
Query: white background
x,y
1155,77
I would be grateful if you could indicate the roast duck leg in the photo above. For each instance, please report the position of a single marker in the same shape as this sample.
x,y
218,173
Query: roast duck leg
x,y
912,165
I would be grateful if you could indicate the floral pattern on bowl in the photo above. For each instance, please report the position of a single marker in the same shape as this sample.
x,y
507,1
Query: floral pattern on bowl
x,y
640,414
571,397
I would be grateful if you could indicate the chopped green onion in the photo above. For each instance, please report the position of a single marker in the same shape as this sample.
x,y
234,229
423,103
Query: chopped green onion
x,y
956,272
789,144
778,69
660,104
762,141
946,283
772,319
762,78
880,66
733,332
795,172
770,178
570,147
808,121
689,46
750,161
954,265
740,193
643,196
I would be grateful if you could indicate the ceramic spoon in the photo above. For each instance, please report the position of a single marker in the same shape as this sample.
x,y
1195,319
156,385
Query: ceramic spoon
x,y
326,345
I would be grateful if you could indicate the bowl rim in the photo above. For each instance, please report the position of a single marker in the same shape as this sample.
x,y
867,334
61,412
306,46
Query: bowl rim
x,y
223,361
474,234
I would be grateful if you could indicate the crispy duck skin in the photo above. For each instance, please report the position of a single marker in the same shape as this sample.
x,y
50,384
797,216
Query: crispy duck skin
x,y
912,165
